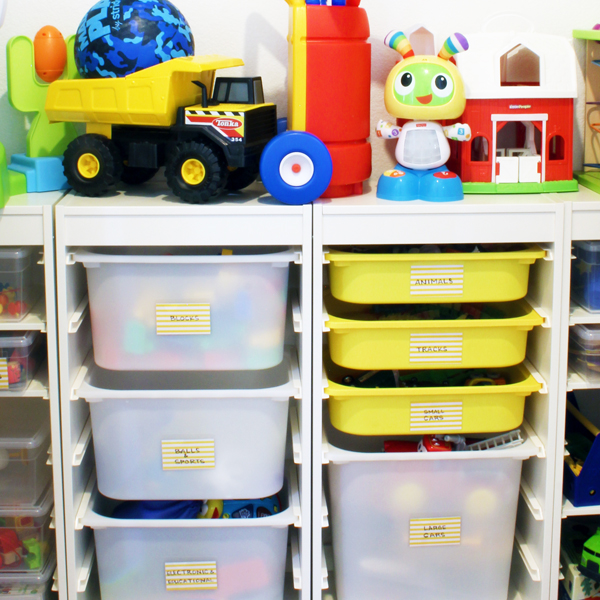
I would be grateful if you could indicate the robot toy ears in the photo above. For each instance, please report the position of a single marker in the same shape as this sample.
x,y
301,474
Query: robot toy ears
x,y
453,45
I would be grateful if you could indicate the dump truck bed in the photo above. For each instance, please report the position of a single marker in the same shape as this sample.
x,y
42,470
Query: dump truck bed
x,y
149,97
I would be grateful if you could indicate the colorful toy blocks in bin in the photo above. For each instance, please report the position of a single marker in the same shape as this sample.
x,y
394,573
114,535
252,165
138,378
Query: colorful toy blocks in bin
x,y
20,357
161,437
429,337
585,275
415,403
422,524
17,292
218,559
411,274
24,443
29,585
25,537
205,309
584,351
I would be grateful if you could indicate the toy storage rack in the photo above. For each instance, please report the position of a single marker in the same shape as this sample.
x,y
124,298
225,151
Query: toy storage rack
x,y
155,220
29,221
511,219
582,222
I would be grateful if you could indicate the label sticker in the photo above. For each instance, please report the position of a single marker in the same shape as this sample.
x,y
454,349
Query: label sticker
x,y
436,347
433,417
187,576
435,532
3,374
183,319
188,454
436,280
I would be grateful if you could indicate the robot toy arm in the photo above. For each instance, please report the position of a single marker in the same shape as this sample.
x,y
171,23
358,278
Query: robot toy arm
x,y
386,130
460,132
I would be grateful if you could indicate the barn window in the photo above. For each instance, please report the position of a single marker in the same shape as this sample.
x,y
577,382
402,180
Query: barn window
x,y
556,148
520,66
480,149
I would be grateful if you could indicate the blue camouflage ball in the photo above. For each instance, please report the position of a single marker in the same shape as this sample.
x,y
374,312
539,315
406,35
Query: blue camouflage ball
x,y
119,37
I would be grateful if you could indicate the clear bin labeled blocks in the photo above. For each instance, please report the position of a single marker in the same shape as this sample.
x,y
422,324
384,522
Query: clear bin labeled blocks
x,y
17,292
20,356
397,275
24,443
423,525
28,586
223,310
584,351
173,443
429,402
585,275
25,538
189,559
361,337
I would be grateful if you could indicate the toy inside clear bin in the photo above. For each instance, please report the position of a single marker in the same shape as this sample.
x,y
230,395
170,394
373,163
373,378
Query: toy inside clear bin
x,y
584,351
17,286
26,541
29,585
585,275
20,357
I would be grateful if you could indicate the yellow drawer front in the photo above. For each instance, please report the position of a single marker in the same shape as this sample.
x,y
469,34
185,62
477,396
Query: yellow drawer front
x,y
414,278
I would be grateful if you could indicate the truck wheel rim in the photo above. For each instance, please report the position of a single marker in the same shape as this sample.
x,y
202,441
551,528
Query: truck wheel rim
x,y
193,171
296,169
88,166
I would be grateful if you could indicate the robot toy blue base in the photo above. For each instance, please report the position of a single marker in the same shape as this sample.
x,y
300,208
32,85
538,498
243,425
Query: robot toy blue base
x,y
431,185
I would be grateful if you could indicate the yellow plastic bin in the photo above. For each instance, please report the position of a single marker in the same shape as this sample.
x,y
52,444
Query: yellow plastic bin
x,y
358,341
422,410
416,278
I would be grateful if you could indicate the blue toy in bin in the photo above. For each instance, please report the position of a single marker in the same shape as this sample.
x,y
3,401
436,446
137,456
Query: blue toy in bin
x,y
585,275
582,466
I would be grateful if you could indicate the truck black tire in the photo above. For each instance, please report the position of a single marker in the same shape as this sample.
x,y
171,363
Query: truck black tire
x,y
92,164
241,177
137,175
195,173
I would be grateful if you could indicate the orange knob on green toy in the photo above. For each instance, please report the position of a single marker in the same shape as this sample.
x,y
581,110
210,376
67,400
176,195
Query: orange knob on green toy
x,y
50,51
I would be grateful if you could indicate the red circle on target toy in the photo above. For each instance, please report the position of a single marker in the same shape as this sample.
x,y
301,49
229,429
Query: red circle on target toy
x,y
445,175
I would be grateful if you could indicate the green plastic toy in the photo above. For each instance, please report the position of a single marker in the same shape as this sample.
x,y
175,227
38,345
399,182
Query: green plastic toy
x,y
590,557
27,93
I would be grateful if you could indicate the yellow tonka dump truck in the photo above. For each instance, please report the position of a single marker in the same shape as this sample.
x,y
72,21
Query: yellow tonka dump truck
x,y
209,133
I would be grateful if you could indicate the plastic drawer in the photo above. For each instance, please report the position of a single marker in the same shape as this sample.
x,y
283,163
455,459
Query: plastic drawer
x,y
356,341
17,292
422,410
20,357
240,558
28,586
412,278
585,275
410,526
24,443
175,312
225,441
25,538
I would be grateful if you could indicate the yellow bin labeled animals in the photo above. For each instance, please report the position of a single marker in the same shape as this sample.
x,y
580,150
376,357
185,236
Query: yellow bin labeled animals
x,y
387,277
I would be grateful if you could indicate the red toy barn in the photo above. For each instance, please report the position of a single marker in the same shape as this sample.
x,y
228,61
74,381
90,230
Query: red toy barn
x,y
520,91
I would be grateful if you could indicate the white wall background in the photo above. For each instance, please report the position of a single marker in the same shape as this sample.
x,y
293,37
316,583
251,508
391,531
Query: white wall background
x,y
256,30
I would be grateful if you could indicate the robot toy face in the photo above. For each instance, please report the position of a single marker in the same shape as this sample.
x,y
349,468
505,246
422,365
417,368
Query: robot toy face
x,y
425,87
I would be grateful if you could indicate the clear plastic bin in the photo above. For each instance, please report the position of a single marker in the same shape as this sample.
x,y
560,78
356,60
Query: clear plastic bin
x,y
28,586
584,351
221,310
585,275
20,357
360,340
158,437
449,408
24,443
17,292
422,525
393,278
25,537
134,556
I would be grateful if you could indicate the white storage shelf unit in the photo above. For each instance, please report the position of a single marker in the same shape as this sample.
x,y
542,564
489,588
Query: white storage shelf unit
x,y
128,220
28,221
488,219
582,223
